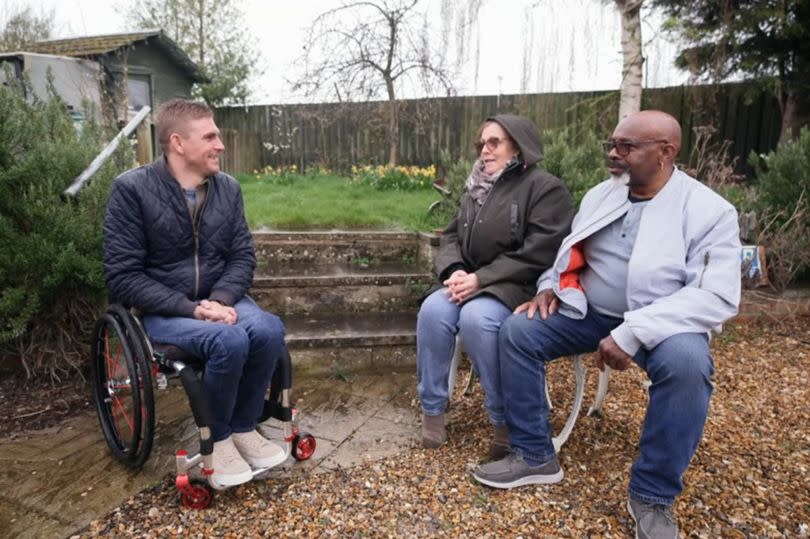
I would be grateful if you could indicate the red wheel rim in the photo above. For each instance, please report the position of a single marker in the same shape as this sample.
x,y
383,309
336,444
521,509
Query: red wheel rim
x,y
305,447
119,387
199,498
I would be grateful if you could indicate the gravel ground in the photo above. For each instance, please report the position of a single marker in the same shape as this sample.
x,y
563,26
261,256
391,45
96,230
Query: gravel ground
x,y
749,478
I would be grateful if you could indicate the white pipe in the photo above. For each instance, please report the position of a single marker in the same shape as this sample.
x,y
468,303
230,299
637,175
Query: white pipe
x,y
105,154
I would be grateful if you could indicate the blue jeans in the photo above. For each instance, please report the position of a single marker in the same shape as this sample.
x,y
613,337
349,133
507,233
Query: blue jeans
x,y
479,320
680,369
239,361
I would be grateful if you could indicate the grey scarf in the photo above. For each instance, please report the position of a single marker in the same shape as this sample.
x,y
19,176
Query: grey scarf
x,y
479,183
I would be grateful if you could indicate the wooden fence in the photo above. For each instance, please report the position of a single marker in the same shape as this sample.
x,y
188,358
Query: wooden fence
x,y
338,135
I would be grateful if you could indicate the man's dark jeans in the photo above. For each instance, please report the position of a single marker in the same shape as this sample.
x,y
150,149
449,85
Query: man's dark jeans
x,y
239,361
680,369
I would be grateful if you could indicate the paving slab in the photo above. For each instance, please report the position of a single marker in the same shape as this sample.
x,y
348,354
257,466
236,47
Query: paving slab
x,y
56,481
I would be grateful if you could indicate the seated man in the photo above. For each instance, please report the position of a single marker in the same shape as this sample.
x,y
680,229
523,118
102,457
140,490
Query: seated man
x,y
651,266
177,247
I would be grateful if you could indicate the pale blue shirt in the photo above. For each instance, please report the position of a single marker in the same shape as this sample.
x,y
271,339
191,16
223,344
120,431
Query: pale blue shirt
x,y
607,253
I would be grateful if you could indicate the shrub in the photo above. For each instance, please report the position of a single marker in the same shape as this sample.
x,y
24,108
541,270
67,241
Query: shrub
x,y
783,204
576,157
784,174
51,274
451,180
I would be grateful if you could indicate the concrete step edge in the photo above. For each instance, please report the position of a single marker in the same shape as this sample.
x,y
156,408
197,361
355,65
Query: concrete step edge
x,y
341,280
332,236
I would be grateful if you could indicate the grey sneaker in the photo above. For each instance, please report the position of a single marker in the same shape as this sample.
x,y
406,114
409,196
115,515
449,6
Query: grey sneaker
x,y
653,521
512,471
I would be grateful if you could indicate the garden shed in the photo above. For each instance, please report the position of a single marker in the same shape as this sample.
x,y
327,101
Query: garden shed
x,y
75,79
144,68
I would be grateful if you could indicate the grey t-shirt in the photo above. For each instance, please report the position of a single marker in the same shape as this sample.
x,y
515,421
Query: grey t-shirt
x,y
607,254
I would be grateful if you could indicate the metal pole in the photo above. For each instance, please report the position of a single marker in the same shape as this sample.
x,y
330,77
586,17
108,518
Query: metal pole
x,y
105,154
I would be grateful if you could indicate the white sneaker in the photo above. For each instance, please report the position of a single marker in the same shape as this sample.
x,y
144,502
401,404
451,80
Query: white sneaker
x,y
269,428
258,451
229,467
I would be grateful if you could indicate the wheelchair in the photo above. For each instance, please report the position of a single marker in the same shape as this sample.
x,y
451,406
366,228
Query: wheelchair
x,y
126,367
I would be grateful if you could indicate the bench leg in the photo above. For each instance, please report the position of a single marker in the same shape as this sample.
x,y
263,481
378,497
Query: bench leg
x,y
580,376
601,391
451,382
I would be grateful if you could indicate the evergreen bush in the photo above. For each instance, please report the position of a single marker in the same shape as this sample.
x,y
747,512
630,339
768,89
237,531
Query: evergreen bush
x,y
783,176
51,274
576,157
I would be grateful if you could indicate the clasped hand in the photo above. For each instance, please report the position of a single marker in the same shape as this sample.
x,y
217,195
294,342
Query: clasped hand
x,y
461,285
211,311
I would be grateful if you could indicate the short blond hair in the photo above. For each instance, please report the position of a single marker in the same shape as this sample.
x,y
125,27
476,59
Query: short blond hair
x,y
173,116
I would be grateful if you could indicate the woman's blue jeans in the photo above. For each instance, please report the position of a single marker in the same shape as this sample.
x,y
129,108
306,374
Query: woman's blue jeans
x,y
239,361
680,370
478,320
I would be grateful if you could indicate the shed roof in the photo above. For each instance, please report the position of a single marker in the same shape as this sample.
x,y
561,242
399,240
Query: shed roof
x,y
95,46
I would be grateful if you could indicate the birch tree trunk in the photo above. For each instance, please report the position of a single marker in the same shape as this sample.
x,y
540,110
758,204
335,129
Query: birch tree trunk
x,y
630,89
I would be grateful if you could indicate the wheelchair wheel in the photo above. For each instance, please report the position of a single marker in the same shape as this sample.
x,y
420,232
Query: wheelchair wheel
x,y
303,446
122,390
144,366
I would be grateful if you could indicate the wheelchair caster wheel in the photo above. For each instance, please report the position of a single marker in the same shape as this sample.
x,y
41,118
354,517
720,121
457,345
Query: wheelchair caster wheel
x,y
303,446
195,495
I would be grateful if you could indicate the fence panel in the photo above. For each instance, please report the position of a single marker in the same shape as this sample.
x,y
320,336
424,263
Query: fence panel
x,y
339,135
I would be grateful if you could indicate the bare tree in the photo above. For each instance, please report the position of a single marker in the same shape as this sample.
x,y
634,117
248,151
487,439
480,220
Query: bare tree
x,y
24,27
630,89
366,49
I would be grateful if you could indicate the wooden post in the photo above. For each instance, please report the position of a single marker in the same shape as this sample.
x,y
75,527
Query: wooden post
x,y
143,134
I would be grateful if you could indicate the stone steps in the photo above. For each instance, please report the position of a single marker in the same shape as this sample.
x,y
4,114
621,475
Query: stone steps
x,y
341,288
348,299
336,246
331,344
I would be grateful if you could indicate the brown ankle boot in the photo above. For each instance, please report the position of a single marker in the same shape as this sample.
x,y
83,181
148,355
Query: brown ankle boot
x,y
499,446
433,434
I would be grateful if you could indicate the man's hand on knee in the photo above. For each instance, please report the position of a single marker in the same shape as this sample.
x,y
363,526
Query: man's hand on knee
x,y
212,311
545,302
611,355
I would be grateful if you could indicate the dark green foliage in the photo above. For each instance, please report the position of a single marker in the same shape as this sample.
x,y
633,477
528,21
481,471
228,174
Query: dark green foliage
x,y
576,158
768,40
783,176
452,178
50,251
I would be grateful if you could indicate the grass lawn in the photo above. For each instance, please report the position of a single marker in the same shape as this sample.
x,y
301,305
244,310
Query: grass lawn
x,y
329,202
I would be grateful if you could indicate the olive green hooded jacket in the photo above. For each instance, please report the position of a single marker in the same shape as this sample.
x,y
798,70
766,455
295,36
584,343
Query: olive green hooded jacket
x,y
514,236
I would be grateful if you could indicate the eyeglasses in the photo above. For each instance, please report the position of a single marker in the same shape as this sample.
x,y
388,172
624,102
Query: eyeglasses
x,y
491,143
623,147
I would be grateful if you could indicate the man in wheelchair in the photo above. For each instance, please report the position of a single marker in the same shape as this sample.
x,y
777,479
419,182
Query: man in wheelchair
x,y
178,249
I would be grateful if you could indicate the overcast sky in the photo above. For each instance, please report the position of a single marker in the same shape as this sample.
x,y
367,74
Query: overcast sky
x,y
568,44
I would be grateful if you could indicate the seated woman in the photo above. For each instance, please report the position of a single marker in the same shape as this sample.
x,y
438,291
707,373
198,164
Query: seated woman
x,y
508,228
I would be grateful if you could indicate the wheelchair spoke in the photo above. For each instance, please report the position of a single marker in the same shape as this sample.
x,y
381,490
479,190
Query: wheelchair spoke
x,y
118,406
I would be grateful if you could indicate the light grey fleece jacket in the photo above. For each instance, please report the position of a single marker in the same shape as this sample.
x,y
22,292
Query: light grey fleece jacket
x,y
684,273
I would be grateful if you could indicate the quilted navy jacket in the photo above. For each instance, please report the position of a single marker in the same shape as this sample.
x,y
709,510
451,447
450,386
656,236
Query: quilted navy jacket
x,y
156,260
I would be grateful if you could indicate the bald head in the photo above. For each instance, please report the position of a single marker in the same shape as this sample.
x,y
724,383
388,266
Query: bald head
x,y
652,125
644,146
